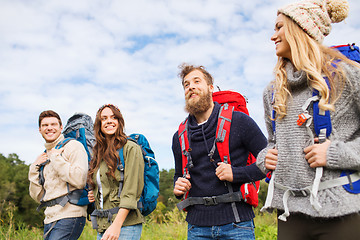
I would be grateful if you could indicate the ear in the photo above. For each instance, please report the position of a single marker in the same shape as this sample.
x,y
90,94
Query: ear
x,y
211,88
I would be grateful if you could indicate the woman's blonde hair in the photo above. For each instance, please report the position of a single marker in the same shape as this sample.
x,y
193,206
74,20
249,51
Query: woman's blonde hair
x,y
315,60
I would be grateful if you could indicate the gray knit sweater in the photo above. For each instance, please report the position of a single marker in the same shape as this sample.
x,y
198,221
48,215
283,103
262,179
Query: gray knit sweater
x,y
292,169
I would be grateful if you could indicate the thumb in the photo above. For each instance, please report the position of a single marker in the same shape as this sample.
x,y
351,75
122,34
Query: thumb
x,y
187,176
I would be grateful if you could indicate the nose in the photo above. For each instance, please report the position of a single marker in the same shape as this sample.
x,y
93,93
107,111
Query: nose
x,y
191,85
273,37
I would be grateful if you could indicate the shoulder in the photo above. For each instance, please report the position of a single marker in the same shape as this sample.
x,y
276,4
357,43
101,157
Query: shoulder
x,y
269,91
131,145
352,72
241,117
74,145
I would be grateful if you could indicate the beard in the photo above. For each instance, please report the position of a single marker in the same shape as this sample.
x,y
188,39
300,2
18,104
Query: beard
x,y
194,107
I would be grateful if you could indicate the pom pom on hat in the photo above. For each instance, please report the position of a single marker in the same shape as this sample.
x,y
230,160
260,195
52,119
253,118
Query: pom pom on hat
x,y
315,16
337,9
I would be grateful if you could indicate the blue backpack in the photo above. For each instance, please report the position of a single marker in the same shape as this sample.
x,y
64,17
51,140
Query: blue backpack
x,y
148,199
79,127
322,122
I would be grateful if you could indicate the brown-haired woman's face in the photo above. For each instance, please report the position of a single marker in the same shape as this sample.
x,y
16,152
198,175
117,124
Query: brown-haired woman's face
x,y
282,45
109,123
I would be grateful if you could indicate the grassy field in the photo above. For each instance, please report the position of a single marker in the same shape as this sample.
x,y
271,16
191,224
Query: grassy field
x,y
170,225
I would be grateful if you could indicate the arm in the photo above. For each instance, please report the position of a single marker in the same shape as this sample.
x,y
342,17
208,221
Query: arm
x,y
342,151
269,152
113,232
71,164
249,137
35,189
133,176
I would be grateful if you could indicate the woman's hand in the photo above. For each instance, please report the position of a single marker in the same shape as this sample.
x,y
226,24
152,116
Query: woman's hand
x,y
316,153
271,159
91,196
113,232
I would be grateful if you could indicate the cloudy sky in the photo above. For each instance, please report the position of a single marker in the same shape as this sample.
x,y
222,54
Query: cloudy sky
x,y
74,56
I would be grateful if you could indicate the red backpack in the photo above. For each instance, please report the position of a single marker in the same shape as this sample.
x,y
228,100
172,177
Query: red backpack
x,y
230,101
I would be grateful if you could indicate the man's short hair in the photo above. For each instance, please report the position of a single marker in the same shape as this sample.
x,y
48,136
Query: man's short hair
x,y
188,68
49,113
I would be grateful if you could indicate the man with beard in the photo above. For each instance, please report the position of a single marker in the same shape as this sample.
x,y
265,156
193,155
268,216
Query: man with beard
x,y
209,178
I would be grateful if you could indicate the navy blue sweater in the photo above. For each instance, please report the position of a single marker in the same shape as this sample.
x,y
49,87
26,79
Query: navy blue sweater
x,y
245,136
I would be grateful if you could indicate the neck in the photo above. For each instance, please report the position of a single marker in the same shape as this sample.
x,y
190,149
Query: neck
x,y
202,117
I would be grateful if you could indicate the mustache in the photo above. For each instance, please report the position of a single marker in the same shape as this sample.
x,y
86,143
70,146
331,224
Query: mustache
x,y
187,96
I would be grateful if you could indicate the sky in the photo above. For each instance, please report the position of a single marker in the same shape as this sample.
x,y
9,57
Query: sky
x,y
75,56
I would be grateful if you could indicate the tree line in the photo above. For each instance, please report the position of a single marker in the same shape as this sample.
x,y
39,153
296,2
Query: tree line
x,y
17,205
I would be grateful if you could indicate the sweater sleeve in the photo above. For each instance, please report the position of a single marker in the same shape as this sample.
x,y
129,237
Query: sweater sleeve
x,y
133,176
343,152
72,164
254,141
35,189
267,101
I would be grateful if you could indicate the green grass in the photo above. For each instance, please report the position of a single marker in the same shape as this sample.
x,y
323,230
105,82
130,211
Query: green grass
x,y
158,225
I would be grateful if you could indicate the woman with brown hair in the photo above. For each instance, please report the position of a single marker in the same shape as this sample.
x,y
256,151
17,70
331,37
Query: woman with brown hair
x,y
117,215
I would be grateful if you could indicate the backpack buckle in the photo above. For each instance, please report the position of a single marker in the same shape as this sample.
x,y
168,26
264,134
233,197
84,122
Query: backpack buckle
x,y
303,117
300,192
210,201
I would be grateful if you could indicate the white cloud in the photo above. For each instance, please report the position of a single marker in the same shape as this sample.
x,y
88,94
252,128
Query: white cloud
x,y
73,56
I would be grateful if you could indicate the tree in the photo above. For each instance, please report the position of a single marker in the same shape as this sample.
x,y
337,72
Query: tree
x,y
14,190
167,196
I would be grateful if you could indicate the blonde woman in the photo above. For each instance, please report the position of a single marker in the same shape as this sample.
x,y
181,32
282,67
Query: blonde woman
x,y
301,159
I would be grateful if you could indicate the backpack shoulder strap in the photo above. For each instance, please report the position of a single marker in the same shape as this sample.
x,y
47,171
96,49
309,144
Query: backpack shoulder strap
x,y
185,147
121,168
63,142
322,120
223,132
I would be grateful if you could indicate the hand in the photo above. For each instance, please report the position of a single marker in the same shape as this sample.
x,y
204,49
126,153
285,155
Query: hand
x,y
271,159
91,196
182,185
316,153
224,172
53,153
41,158
112,233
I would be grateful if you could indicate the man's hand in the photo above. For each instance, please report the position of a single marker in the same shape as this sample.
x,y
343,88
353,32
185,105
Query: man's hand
x,y
182,185
41,158
271,159
316,153
224,172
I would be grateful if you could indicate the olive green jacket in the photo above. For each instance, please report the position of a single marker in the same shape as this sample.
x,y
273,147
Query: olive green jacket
x,y
132,187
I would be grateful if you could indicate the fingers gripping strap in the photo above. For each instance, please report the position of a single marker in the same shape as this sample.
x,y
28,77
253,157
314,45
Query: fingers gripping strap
x,y
222,132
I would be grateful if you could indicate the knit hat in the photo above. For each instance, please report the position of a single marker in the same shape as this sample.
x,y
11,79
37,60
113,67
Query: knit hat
x,y
315,16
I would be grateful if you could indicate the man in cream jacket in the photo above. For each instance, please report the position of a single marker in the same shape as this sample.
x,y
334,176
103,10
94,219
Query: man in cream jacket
x,y
64,170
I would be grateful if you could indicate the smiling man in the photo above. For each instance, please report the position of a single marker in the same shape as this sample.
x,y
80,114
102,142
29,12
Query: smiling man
x,y
64,170
209,178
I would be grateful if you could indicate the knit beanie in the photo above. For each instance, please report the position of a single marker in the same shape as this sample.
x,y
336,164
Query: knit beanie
x,y
315,16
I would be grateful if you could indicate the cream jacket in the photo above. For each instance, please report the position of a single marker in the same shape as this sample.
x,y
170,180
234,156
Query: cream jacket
x,y
71,166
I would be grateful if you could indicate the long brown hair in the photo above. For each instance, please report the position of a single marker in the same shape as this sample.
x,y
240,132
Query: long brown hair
x,y
105,148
